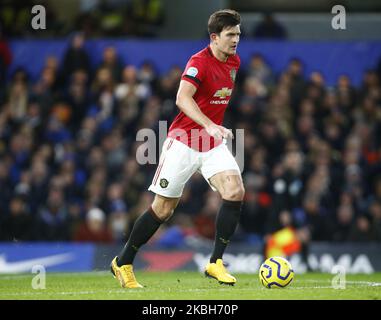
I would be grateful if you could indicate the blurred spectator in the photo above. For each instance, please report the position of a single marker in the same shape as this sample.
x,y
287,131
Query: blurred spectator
x,y
131,90
205,221
269,28
5,186
5,60
15,17
259,69
110,17
76,215
378,69
296,81
363,230
271,139
114,147
51,223
344,218
75,57
148,16
111,62
317,221
288,187
94,228
256,208
78,98
16,225
39,182
133,180
118,220
45,91
374,211
143,201
147,74
376,194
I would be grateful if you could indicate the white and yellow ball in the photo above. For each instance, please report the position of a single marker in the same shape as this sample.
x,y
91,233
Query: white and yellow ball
x,y
276,272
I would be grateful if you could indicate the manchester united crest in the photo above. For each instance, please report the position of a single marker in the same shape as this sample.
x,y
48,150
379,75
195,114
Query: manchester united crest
x,y
233,73
164,183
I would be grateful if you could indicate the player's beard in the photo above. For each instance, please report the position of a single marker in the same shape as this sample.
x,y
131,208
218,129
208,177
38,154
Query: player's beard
x,y
230,52
227,50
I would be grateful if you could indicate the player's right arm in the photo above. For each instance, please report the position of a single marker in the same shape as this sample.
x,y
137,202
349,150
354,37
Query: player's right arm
x,y
186,103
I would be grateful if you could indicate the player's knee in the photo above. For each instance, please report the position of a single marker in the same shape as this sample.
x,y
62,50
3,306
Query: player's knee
x,y
164,213
163,209
234,193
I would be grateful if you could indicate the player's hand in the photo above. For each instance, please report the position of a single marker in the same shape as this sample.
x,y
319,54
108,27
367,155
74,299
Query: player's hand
x,y
218,132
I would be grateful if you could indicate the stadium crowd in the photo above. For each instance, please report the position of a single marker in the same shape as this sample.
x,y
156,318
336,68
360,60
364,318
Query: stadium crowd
x,y
68,168
116,18
95,18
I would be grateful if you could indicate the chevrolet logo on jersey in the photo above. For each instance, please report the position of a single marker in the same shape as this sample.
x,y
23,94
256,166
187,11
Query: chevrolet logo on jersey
x,y
223,93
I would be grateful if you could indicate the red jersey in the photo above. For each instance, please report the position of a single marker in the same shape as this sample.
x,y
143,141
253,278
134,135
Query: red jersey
x,y
214,81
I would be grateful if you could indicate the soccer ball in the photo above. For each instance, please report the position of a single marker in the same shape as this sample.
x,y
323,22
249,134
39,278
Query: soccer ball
x,y
276,272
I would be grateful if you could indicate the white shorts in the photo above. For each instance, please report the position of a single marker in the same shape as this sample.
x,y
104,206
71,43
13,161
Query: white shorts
x,y
178,163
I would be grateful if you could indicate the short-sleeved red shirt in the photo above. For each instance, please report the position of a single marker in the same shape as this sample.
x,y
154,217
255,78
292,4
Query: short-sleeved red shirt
x,y
214,81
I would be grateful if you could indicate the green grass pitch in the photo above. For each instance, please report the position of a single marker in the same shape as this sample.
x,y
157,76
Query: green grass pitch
x,y
185,286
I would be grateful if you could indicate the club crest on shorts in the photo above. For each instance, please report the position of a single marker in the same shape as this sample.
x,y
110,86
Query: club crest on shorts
x,y
233,73
164,183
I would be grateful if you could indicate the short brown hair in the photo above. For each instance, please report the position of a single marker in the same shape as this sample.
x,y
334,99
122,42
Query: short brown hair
x,y
222,19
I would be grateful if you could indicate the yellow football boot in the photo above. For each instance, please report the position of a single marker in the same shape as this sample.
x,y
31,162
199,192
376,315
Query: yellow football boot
x,y
217,271
125,275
